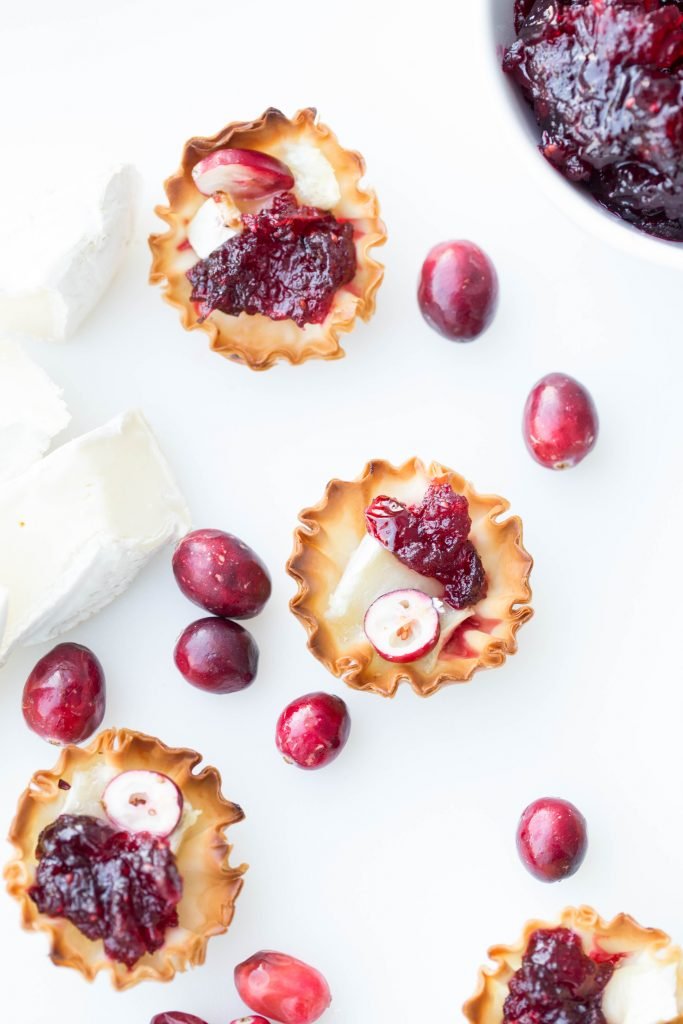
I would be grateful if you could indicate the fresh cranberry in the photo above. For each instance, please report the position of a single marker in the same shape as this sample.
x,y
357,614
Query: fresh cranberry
x,y
605,83
64,696
312,731
176,1017
283,988
458,290
557,983
287,263
220,573
250,1020
217,655
560,422
431,538
551,839
120,887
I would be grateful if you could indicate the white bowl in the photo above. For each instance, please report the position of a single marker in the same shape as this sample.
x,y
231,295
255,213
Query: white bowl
x,y
524,134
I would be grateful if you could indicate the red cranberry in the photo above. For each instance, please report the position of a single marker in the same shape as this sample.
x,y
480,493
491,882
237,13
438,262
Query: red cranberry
x,y
176,1017
312,731
552,839
250,1020
285,989
560,422
221,573
64,696
217,655
458,290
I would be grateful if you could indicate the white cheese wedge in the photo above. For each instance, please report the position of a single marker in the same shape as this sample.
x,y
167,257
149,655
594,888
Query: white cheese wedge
x,y
642,990
66,245
31,410
207,230
315,183
76,528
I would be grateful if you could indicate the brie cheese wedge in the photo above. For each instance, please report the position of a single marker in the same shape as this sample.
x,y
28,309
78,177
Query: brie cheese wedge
x,y
315,183
208,229
31,410
642,990
77,527
67,244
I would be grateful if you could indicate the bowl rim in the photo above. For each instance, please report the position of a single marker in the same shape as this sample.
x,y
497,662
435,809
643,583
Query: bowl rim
x,y
570,199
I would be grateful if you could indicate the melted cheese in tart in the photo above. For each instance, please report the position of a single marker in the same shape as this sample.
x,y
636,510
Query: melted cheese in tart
x,y
315,183
642,990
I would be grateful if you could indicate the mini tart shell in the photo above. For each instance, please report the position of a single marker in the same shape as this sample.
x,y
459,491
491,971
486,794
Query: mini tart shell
x,y
257,340
210,884
331,530
621,935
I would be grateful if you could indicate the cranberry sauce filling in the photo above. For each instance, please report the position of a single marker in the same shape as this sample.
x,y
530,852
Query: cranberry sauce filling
x,y
557,983
287,263
120,887
431,538
605,80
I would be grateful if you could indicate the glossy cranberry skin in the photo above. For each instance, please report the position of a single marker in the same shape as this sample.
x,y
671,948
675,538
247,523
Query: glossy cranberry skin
x,y
217,655
312,731
283,988
552,839
250,1020
222,574
560,423
176,1017
64,696
458,290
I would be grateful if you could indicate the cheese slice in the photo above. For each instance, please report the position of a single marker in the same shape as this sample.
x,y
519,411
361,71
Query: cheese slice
x,y
76,528
32,412
68,241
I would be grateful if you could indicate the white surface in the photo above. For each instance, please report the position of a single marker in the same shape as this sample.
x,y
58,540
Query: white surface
x,y
393,869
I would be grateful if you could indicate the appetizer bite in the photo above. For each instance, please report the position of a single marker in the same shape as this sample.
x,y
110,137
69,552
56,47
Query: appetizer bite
x,y
268,241
122,858
409,574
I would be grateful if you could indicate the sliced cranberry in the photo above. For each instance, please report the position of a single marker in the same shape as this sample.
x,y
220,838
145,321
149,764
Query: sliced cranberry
x,y
458,290
243,173
552,839
604,80
560,423
176,1017
312,731
557,983
250,1020
222,574
115,886
217,655
64,696
283,988
287,263
431,538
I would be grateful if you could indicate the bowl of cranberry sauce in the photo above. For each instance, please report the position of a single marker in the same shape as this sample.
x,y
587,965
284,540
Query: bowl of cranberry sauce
x,y
594,98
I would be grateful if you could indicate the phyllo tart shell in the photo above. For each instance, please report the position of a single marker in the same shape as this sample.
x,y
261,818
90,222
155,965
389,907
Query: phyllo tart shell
x,y
257,340
210,884
479,637
622,935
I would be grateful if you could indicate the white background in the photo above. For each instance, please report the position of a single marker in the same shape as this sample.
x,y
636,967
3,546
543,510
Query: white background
x,y
395,868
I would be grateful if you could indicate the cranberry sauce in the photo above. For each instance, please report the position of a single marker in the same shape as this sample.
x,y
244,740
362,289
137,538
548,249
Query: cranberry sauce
x,y
605,80
287,263
557,982
120,887
431,538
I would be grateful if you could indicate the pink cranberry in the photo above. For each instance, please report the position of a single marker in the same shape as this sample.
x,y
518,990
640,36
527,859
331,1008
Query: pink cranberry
x,y
217,655
560,422
552,839
285,989
222,574
64,696
176,1017
250,1020
458,290
311,731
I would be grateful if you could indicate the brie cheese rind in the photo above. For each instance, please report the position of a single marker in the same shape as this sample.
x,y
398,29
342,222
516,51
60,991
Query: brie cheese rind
x,y
79,525
646,987
326,176
340,570
210,884
32,411
67,244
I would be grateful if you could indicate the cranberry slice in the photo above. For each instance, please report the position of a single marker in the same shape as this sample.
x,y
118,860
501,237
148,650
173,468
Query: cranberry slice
x,y
243,173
